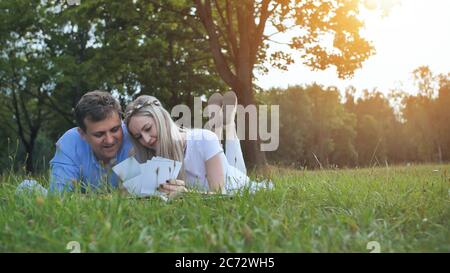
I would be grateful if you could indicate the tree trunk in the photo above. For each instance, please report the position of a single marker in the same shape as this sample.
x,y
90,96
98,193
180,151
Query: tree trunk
x,y
245,42
29,148
29,161
253,156
440,154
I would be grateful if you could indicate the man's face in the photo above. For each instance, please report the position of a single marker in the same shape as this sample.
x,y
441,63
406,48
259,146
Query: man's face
x,y
104,137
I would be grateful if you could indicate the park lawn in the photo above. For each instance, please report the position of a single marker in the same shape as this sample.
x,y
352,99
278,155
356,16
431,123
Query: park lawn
x,y
403,209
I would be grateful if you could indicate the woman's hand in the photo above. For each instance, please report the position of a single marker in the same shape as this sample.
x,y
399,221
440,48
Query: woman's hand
x,y
173,187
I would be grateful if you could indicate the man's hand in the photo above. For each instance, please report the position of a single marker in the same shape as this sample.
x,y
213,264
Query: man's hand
x,y
173,188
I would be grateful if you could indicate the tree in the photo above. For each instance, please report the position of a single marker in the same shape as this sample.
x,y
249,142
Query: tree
x,y
53,53
295,122
442,117
427,115
315,130
164,55
331,131
25,80
238,40
376,128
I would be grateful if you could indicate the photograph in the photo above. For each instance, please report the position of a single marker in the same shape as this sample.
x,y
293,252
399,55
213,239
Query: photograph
x,y
216,135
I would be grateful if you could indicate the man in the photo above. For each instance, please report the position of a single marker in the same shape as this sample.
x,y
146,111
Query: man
x,y
87,153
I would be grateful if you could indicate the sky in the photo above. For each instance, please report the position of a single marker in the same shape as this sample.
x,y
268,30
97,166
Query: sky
x,y
415,33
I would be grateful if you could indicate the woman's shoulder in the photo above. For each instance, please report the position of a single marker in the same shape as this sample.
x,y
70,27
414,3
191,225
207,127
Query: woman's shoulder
x,y
200,135
203,143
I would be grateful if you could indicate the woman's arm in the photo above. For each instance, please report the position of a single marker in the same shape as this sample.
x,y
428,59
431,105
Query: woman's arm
x,y
215,174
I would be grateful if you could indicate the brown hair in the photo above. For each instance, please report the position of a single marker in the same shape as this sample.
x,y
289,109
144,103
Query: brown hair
x,y
95,106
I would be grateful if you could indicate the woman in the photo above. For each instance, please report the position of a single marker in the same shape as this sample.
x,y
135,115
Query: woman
x,y
205,166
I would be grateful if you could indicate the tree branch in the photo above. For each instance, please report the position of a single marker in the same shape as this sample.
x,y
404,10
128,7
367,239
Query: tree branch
x,y
277,42
15,103
278,32
264,15
51,103
244,30
170,8
231,34
25,110
18,118
204,12
228,33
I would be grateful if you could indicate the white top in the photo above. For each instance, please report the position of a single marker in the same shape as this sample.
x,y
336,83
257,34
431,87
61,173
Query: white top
x,y
202,145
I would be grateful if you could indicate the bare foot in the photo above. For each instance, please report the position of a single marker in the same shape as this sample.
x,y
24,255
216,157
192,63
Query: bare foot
x,y
214,111
229,106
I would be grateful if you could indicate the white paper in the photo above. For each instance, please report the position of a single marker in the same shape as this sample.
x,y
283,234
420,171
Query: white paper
x,y
148,178
171,165
144,179
127,169
133,186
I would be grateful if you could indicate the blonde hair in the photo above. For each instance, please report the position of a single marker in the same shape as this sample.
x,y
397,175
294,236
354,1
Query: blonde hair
x,y
170,143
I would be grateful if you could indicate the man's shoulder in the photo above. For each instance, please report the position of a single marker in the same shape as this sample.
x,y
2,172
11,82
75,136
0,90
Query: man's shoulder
x,y
70,137
71,143
70,148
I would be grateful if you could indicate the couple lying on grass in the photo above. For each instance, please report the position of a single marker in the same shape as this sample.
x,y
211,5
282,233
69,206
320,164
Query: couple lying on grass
x,y
87,153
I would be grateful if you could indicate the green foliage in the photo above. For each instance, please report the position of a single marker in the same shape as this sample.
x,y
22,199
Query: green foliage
x,y
318,130
53,53
315,129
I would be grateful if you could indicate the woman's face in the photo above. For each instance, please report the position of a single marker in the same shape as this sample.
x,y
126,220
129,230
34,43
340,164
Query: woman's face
x,y
143,129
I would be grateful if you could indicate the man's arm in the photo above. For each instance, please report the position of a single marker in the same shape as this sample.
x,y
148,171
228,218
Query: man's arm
x,y
64,172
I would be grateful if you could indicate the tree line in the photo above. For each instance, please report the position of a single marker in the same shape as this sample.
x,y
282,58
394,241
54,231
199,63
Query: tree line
x,y
322,127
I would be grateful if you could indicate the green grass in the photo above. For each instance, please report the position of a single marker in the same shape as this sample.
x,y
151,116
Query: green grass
x,y
405,209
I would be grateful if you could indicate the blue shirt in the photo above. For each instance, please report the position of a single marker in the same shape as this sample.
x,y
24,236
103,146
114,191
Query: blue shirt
x,y
75,162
